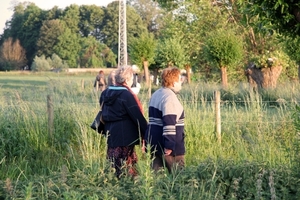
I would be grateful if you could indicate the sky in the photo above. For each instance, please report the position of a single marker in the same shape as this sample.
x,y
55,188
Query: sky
x,y
6,6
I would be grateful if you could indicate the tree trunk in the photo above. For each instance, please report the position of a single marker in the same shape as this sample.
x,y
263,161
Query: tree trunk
x,y
299,72
155,74
188,73
248,71
265,77
146,72
224,77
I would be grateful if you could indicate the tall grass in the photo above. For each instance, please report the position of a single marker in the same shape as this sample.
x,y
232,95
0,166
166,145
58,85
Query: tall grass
x,y
257,158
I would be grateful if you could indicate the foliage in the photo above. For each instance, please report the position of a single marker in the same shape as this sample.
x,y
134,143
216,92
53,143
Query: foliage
x,y
151,14
90,53
277,57
110,57
110,26
223,48
257,159
51,63
292,47
95,54
296,146
71,18
53,13
65,31
68,47
227,180
56,63
40,64
142,49
169,52
49,37
25,25
169,4
190,22
91,18
57,31
280,15
271,59
12,55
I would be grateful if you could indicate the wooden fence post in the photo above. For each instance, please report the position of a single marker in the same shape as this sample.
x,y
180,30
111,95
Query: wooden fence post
x,y
149,90
82,83
50,115
218,115
97,86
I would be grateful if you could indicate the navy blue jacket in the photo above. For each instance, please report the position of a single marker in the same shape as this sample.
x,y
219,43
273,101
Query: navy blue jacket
x,y
124,121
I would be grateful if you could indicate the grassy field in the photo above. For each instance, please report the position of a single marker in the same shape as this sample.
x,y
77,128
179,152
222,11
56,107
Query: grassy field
x,y
258,157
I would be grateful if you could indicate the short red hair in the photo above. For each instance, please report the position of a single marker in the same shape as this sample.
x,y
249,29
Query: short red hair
x,y
169,76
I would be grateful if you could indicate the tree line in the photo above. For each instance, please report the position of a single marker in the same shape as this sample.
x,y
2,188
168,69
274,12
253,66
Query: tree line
x,y
234,38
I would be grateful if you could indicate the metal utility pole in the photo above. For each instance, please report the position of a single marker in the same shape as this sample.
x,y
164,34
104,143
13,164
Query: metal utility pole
x,y
122,51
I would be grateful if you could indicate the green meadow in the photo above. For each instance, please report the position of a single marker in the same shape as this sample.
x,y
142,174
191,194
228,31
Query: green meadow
x,y
257,157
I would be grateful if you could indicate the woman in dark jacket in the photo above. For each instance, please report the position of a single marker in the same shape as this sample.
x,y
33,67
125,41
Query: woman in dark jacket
x,y
124,121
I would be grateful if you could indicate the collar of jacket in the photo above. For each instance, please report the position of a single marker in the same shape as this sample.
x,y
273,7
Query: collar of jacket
x,y
117,88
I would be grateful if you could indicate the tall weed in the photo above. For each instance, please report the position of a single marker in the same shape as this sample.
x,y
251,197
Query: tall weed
x,y
257,158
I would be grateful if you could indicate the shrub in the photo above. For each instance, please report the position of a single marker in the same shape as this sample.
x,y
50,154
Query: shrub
x,y
40,64
57,63
54,63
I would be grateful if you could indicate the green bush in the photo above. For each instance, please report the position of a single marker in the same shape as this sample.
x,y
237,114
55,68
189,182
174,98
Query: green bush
x,y
54,63
223,48
40,64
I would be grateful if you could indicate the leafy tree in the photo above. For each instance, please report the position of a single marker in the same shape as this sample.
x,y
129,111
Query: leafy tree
x,y
110,27
170,52
169,4
91,18
190,22
151,14
95,54
12,55
223,49
292,47
13,26
142,52
49,37
56,37
281,15
71,17
68,47
53,13
25,25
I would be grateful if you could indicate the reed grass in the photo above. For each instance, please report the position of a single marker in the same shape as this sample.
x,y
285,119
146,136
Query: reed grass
x,y
257,158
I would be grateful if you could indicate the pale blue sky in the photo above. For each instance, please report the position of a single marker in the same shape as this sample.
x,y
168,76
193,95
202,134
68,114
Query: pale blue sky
x,y
6,6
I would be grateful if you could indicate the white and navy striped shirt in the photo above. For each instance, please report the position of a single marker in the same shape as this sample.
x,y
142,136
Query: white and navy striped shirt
x,y
166,122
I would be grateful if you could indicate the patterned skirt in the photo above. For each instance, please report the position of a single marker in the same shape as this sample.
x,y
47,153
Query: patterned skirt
x,y
123,158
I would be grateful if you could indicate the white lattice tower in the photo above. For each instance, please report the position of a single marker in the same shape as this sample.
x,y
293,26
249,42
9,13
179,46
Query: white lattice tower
x,y
122,51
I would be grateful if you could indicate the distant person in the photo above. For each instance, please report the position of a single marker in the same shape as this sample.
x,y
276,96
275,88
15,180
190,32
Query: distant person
x,y
111,81
165,132
101,81
124,121
136,86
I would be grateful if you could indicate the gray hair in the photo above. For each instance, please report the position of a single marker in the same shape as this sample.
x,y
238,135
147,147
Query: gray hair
x,y
111,79
123,74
